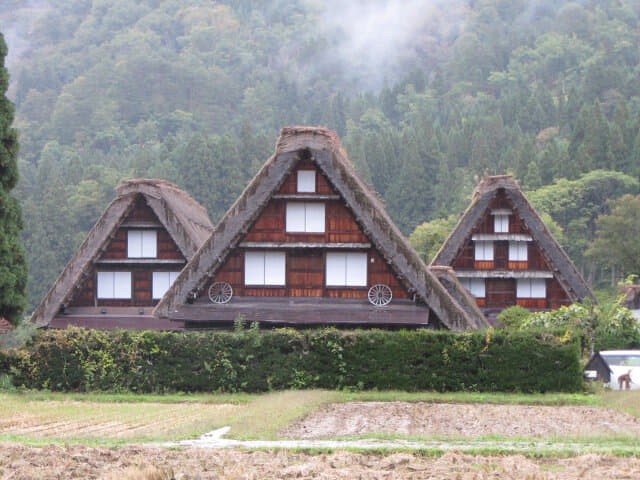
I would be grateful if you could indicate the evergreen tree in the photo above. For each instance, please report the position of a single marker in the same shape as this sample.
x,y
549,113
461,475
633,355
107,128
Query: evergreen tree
x,y
13,270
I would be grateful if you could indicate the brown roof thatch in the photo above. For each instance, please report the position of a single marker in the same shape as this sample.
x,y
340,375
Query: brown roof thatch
x,y
447,277
185,219
563,267
326,151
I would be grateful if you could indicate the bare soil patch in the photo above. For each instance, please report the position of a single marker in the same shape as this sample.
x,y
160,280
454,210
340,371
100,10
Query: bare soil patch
x,y
78,462
461,420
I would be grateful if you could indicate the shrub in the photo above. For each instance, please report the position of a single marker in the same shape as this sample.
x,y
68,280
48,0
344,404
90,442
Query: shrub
x,y
254,361
606,326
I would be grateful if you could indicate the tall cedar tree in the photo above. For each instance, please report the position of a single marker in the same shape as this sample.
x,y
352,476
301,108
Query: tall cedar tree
x,y
13,270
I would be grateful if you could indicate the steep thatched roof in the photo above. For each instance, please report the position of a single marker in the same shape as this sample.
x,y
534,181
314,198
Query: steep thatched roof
x,y
185,219
325,150
448,279
563,268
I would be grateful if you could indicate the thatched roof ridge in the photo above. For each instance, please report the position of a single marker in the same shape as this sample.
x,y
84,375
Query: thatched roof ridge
x,y
564,269
184,218
327,153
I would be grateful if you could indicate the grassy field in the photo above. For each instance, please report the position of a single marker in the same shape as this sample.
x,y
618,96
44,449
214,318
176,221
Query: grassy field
x,y
110,419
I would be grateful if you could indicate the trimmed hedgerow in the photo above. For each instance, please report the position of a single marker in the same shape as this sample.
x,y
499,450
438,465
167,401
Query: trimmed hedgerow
x,y
255,361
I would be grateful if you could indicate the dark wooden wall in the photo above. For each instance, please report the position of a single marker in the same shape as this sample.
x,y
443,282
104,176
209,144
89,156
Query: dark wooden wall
x,y
305,267
305,277
141,275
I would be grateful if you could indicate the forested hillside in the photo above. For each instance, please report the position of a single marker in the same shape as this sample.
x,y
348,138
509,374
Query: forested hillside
x,y
427,97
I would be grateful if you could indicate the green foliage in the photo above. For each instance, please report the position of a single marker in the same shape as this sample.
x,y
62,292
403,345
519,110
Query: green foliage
x,y
606,326
428,237
617,233
514,317
253,361
13,270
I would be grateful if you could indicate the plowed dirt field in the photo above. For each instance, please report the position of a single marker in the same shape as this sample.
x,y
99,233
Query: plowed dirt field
x,y
78,462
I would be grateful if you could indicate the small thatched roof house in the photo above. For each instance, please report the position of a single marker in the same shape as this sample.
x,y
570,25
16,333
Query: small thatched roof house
x,y
128,260
502,252
306,243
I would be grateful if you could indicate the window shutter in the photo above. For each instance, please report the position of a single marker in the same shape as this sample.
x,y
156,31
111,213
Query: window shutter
x,y
501,223
306,181
254,268
274,268
134,243
356,269
122,285
160,284
336,269
105,284
538,288
149,244
295,217
314,217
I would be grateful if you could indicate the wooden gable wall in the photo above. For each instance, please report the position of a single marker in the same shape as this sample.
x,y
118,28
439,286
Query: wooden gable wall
x,y
305,267
501,292
141,274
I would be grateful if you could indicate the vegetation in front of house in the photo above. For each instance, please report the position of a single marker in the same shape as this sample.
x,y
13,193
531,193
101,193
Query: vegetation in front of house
x,y
255,361
605,326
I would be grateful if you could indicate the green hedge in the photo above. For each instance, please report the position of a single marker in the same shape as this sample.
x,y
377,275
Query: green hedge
x,y
255,361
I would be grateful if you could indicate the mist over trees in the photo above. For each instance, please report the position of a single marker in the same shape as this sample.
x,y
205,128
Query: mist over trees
x,y
426,101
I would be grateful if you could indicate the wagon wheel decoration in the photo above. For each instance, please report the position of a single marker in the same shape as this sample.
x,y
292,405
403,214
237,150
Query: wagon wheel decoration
x,y
220,292
380,295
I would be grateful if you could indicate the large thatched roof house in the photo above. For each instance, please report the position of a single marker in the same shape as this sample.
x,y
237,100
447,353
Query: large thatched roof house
x,y
309,243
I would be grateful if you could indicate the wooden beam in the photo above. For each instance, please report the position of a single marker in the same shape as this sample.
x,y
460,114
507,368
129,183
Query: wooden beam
x,y
306,196
141,225
503,274
140,261
332,246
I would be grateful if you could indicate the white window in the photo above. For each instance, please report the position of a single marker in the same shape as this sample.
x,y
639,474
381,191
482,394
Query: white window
x,y
531,288
484,250
264,268
114,285
346,269
501,223
305,217
476,286
142,244
518,251
306,181
161,283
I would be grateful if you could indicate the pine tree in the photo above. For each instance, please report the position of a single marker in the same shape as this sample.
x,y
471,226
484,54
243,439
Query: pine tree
x,y
13,270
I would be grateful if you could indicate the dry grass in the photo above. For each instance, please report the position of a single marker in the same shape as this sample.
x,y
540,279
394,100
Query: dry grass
x,y
79,462
145,473
95,419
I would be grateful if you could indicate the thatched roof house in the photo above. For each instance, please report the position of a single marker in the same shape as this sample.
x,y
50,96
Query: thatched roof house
x,y
154,215
504,253
310,174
